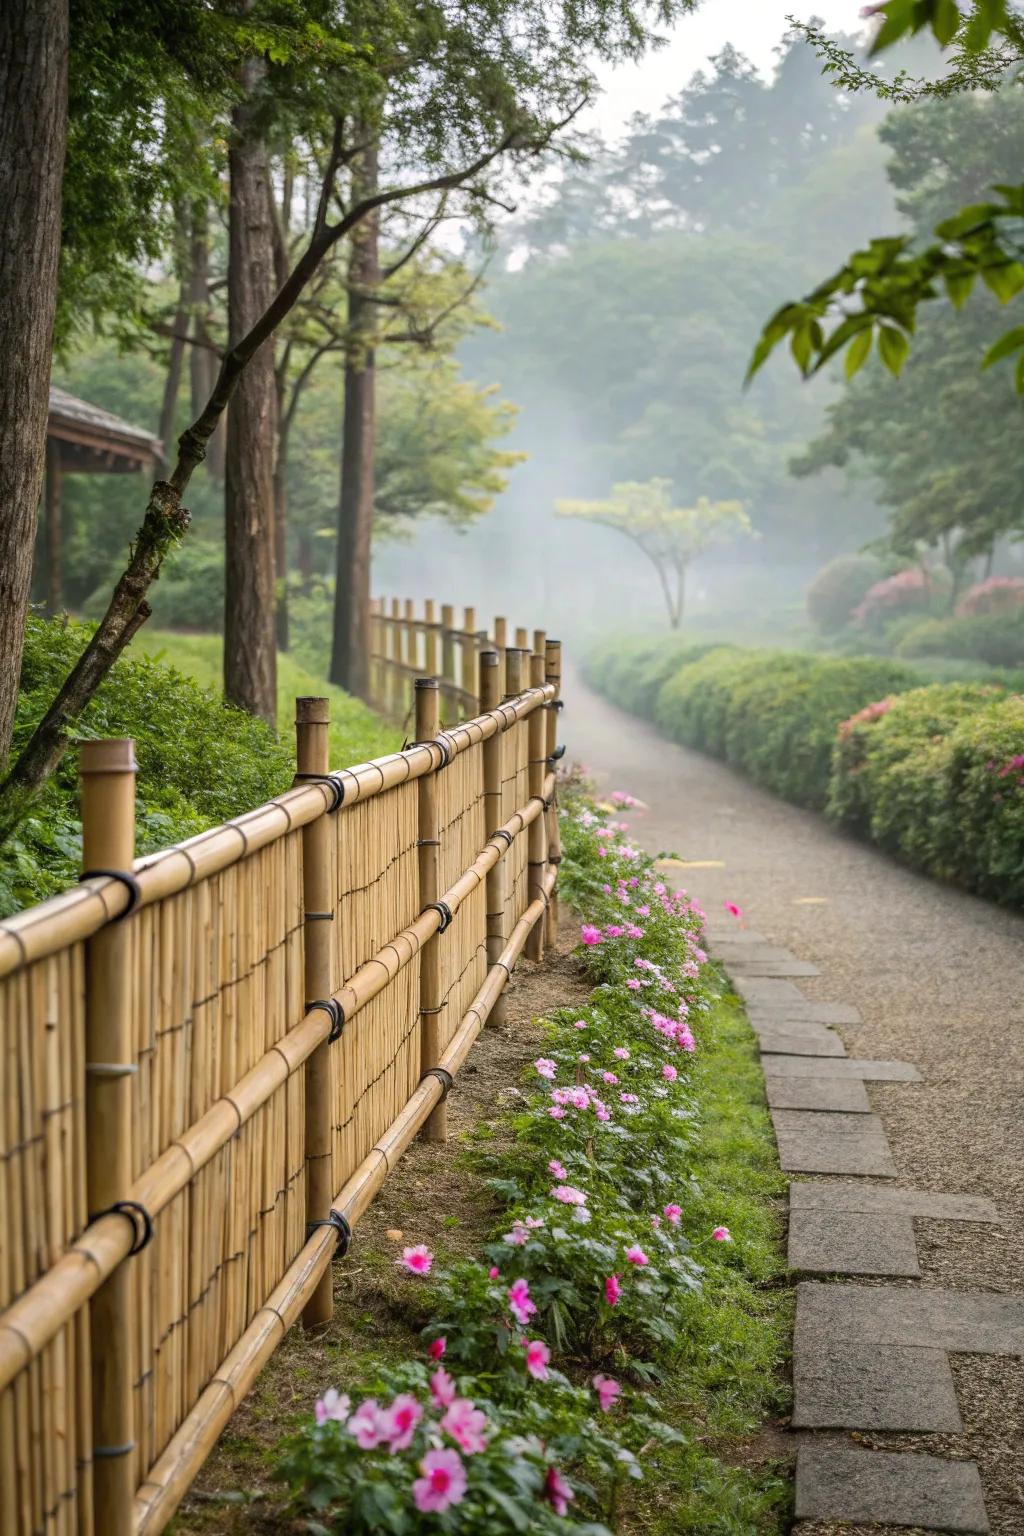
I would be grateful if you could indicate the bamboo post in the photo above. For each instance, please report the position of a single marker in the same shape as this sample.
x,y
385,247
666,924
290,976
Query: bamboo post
x,y
497,878
537,856
553,674
513,672
396,683
483,644
469,652
523,638
540,641
428,723
107,772
411,637
430,644
447,649
501,638
312,756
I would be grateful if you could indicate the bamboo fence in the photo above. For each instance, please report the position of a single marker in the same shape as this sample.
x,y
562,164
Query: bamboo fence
x,y
212,1056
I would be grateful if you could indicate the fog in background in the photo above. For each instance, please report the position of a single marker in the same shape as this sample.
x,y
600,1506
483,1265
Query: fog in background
x,y
630,299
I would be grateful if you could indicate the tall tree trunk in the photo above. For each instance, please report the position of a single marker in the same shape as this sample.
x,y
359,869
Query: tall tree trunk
x,y
281,627
33,136
54,541
250,658
350,661
203,363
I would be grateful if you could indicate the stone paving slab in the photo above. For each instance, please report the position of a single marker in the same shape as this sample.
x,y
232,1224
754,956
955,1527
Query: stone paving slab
x,y
842,1384
852,1243
762,991
770,1024
826,1044
843,1093
743,949
839,1481
853,1195
819,1013
821,1142
718,934
966,1322
867,1071
758,967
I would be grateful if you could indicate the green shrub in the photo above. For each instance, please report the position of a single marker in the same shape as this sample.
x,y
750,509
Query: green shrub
x,y
996,639
837,589
200,761
631,672
986,792
774,714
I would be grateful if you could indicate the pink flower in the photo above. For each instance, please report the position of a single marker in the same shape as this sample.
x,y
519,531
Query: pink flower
x,y
579,1098
633,983
520,1305
537,1357
636,1255
466,1426
567,1195
673,1213
614,931
442,1387
612,1290
655,1222
608,1390
557,1492
621,1052
398,1423
732,909
333,1405
518,1236
590,935
416,1260
492,1273
556,1168
669,1072
580,1024
584,1056
722,1235
366,1425
443,1482
609,1077
546,1067
629,1098
556,1112
437,1348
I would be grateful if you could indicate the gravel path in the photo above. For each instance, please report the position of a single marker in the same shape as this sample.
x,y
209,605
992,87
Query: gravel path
x,y
939,979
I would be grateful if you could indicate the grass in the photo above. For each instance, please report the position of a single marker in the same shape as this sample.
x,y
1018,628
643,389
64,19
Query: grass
x,y
357,733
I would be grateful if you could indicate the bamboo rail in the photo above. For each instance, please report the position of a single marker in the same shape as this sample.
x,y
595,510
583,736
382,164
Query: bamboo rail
x,y
280,1013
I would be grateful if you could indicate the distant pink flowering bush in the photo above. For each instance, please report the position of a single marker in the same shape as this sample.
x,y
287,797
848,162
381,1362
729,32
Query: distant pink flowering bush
x,y
999,594
906,592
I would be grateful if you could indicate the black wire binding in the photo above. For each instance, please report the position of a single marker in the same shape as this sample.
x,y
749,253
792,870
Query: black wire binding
x,y
445,746
127,879
443,1076
554,756
336,787
556,704
330,1005
141,1220
501,832
340,1224
445,911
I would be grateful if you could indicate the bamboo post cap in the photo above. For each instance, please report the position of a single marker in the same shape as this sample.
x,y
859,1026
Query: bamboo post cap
x,y
115,755
490,659
312,711
426,682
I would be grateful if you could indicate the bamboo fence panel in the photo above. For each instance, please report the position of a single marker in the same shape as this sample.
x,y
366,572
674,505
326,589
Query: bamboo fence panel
x,y
218,1031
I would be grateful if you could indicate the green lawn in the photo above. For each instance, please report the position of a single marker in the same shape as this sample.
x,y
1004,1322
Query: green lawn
x,y
357,733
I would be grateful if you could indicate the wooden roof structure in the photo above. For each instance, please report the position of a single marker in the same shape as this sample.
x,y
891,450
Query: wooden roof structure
x,y
92,441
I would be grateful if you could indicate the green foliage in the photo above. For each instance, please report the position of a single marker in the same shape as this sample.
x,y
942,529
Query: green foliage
x,y
937,778
996,639
631,671
773,715
837,589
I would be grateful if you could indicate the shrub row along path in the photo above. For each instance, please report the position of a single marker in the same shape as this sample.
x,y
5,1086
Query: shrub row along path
x,y
890,1014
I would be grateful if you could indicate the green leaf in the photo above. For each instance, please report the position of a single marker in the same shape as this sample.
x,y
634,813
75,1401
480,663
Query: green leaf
x,y
1005,280
958,287
945,21
1010,341
970,218
899,18
801,347
893,347
858,353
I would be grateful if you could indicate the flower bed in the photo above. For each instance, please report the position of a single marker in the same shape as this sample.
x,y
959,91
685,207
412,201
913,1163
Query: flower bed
x,y
528,1404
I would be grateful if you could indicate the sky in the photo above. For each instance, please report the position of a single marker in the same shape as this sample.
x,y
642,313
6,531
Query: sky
x,y
753,26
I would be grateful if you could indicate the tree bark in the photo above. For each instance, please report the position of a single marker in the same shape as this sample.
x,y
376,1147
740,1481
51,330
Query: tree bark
x,y
33,136
203,363
250,653
350,662
54,541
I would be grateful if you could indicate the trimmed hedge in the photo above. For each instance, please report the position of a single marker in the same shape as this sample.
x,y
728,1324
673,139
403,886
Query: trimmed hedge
x,y
935,774
773,714
994,638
